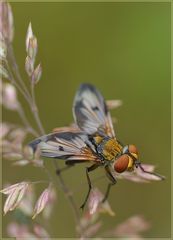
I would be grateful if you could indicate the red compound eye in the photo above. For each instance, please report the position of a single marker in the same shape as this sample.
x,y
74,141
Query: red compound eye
x,y
133,149
121,163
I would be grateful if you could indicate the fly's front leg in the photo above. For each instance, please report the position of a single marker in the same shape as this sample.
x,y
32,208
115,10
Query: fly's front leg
x,y
113,182
88,169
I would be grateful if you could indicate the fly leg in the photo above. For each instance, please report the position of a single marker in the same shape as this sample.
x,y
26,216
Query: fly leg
x,y
113,182
69,164
88,169
59,171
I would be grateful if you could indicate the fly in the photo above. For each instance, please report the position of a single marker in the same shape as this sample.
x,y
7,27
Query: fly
x,y
93,140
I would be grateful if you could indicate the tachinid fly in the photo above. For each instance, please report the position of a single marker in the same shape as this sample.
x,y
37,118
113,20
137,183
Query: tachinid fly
x,y
93,140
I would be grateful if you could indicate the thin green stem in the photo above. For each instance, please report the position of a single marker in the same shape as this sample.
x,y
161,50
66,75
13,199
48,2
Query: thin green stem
x,y
13,81
25,121
51,180
69,196
35,111
30,98
40,181
22,87
15,68
19,108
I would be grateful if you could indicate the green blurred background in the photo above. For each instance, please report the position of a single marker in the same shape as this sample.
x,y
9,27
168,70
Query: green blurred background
x,y
123,49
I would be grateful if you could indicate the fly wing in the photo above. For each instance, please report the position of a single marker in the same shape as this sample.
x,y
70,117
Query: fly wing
x,y
67,146
73,129
90,111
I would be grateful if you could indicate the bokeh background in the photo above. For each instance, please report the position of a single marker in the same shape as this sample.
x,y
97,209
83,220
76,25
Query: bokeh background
x,y
123,49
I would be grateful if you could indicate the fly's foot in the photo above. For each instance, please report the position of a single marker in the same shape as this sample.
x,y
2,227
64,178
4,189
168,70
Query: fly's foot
x,y
82,206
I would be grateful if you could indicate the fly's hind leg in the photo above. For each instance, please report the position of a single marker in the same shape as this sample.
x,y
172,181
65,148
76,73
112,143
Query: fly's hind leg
x,y
59,171
69,164
88,169
113,182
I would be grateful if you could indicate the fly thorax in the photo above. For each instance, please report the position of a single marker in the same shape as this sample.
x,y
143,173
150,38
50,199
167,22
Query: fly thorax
x,y
109,148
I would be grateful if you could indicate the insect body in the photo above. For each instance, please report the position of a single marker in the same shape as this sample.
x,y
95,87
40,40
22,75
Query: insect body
x,y
93,140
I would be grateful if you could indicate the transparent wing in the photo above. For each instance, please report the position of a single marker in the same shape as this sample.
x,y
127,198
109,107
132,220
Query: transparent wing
x,y
67,146
73,129
90,111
